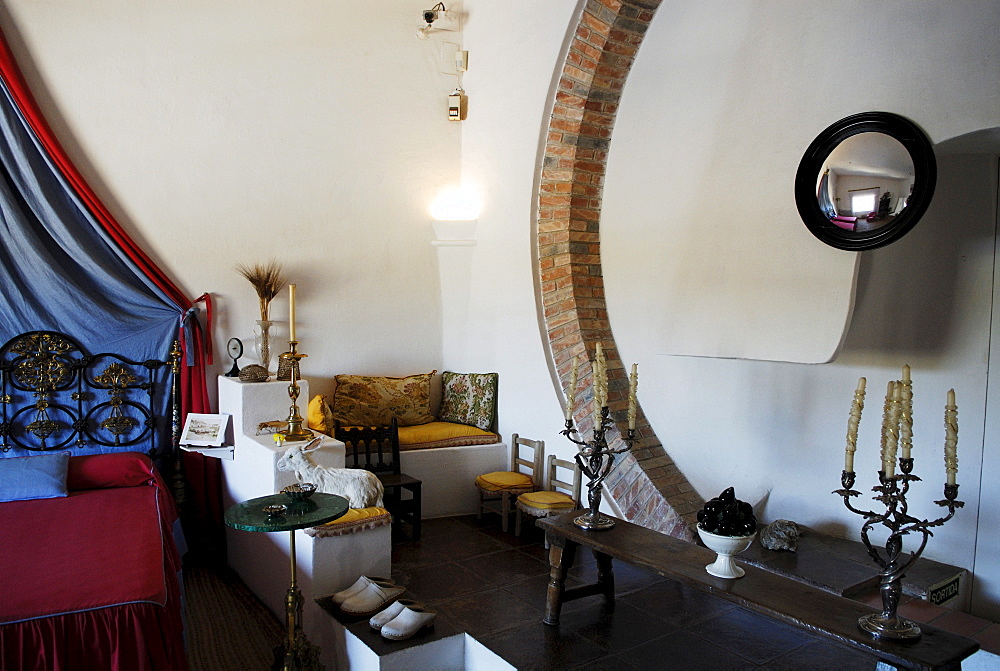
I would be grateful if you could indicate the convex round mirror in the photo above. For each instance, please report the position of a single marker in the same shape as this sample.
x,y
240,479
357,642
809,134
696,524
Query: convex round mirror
x,y
865,181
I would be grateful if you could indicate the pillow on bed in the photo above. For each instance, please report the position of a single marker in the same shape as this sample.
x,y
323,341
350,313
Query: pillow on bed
x,y
37,477
469,398
366,400
105,471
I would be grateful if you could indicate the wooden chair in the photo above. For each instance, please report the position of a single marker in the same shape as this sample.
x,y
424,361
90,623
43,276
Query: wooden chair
x,y
557,496
376,449
523,477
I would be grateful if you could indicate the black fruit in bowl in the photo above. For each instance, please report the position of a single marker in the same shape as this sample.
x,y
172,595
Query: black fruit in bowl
x,y
725,515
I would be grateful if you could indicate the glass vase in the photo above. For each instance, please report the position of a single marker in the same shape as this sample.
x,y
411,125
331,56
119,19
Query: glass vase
x,y
262,340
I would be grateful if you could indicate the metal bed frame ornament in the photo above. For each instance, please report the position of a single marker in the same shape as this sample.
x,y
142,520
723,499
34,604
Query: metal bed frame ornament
x,y
56,396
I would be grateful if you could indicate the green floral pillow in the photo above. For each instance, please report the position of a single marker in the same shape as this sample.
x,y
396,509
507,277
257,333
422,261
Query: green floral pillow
x,y
365,400
469,398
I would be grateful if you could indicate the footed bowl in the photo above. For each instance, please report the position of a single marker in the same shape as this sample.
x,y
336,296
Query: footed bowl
x,y
725,547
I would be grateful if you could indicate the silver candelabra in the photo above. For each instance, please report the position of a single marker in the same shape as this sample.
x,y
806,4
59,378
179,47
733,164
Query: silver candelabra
x,y
596,460
891,492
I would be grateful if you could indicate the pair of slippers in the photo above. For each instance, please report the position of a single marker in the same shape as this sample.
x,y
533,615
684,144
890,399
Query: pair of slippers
x,y
401,620
367,596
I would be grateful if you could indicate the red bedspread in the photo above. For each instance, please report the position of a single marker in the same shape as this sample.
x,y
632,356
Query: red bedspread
x,y
89,581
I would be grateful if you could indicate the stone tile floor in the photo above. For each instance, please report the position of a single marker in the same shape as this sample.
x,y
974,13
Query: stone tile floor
x,y
492,585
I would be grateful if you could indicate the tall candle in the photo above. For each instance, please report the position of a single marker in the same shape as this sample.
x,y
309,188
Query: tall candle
x,y
906,413
886,418
571,396
291,312
893,437
857,405
951,438
599,381
633,384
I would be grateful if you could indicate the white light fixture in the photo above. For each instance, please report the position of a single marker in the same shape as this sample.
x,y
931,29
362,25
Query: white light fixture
x,y
455,210
456,203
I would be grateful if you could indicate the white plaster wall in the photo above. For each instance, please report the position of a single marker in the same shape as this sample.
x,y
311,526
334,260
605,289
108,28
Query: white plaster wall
x,y
755,285
311,132
719,107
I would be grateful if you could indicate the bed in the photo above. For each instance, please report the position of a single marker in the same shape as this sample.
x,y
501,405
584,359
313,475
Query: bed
x,y
87,522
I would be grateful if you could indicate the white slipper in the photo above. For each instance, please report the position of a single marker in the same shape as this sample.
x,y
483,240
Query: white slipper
x,y
372,598
362,582
387,615
409,621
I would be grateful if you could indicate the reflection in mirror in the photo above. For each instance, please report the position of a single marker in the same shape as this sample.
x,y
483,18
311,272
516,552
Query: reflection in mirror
x,y
865,181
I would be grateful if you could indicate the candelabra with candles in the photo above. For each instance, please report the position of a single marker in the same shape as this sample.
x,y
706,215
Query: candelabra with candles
x,y
897,431
595,458
294,430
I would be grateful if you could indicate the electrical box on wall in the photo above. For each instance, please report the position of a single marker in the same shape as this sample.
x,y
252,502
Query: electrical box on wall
x,y
457,105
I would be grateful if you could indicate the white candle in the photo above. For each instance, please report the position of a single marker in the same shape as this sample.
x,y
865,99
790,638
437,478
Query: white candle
x,y
571,396
600,380
291,312
893,438
633,384
857,405
906,413
951,438
886,417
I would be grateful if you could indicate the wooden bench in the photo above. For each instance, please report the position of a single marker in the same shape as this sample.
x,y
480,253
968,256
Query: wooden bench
x,y
772,595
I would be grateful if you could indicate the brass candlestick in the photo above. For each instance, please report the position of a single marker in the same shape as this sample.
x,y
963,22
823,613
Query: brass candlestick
x,y
294,431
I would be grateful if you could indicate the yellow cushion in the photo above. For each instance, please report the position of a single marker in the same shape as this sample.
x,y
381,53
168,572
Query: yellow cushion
x,y
547,500
501,480
318,415
357,515
367,400
443,434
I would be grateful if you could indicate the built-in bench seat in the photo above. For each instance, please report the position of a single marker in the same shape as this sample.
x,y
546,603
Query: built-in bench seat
x,y
446,455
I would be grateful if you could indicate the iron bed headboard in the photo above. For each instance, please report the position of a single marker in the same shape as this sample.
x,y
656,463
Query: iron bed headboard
x,y
56,396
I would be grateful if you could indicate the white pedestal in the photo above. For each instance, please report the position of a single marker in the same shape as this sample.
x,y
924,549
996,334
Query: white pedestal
x,y
325,565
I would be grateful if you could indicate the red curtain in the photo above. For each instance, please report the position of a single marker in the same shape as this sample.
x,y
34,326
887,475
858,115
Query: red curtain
x,y
204,474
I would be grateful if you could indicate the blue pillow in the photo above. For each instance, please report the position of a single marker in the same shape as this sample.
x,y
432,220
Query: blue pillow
x,y
40,477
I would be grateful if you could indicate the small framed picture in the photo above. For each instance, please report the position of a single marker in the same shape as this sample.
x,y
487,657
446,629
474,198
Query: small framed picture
x,y
205,430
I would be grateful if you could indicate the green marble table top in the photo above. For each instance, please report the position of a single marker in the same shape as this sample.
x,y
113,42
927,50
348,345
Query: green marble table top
x,y
317,509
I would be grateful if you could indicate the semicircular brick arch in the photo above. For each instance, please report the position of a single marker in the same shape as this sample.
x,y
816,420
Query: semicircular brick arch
x,y
647,486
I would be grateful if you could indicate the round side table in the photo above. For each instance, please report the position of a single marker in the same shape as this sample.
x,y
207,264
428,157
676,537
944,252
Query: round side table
x,y
297,654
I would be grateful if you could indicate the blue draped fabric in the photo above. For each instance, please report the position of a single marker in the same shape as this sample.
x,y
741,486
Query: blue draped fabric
x,y
59,270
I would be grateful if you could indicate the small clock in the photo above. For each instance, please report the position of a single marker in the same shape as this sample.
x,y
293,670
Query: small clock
x,y
235,349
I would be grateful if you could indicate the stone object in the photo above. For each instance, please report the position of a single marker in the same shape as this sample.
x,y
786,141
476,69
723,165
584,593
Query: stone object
x,y
780,535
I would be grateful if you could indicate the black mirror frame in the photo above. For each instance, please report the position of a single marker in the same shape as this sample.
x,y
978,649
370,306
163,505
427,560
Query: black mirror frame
x,y
925,177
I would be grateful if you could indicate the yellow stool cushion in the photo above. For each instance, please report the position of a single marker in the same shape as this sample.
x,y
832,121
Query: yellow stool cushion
x,y
499,481
355,519
541,500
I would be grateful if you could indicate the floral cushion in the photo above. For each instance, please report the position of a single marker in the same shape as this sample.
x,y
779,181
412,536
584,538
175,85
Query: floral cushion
x,y
365,400
469,398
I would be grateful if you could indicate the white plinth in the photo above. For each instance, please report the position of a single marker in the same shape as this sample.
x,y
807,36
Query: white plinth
x,y
325,565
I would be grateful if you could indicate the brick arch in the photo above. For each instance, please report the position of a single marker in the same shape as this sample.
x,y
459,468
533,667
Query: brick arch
x,y
646,484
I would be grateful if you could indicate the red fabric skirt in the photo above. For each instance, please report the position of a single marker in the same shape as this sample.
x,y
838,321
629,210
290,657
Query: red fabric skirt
x,y
90,582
